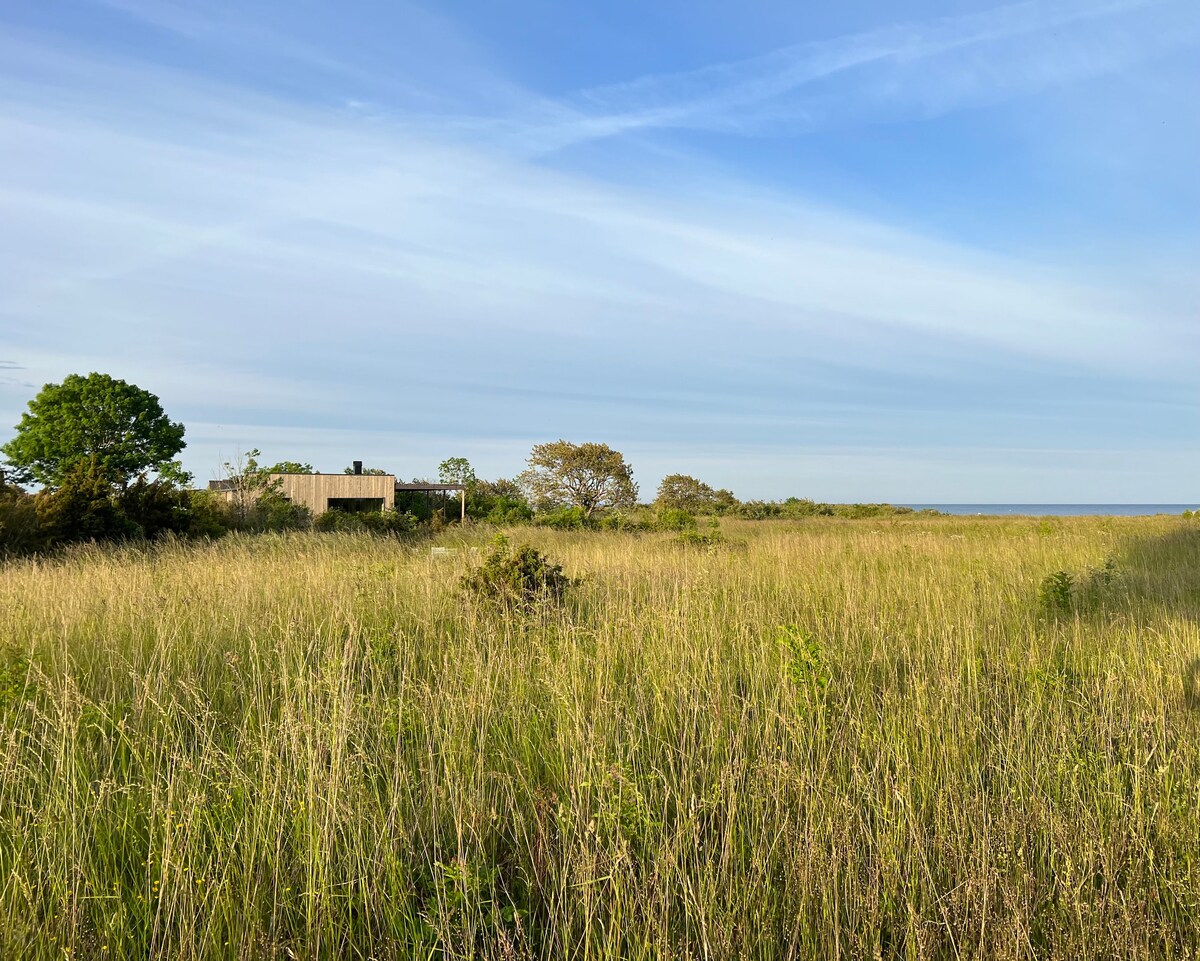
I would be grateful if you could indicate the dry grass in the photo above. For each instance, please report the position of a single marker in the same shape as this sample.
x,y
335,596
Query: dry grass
x,y
857,739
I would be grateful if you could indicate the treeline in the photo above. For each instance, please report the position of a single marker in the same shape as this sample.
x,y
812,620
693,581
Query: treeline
x,y
103,453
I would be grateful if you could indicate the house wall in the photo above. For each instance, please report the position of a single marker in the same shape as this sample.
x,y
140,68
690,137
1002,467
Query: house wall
x,y
315,490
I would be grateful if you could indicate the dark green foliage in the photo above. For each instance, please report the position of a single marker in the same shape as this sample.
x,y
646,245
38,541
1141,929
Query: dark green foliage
x,y
498,502
84,507
563,519
1097,581
800,507
255,503
710,537
14,476
156,506
290,467
1055,594
374,522
207,514
517,578
628,522
506,511
20,530
122,427
274,512
676,519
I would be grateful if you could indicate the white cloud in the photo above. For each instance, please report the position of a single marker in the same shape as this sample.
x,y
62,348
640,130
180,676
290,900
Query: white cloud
x,y
919,69
283,274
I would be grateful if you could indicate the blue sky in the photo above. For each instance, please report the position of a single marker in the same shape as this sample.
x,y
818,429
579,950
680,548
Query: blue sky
x,y
905,251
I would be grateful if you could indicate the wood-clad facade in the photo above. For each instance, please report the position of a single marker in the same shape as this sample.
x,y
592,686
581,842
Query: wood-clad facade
x,y
323,492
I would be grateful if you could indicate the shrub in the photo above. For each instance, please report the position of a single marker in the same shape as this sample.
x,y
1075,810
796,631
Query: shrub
x,y
274,512
625,522
508,510
374,522
697,538
83,507
20,530
806,664
563,519
521,578
156,506
208,515
1056,591
676,519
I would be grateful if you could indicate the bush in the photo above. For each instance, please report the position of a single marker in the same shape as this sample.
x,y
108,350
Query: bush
x,y
156,506
20,530
625,523
1056,592
676,519
508,510
83,508
208,515
707,538
517,579
563,519
374,522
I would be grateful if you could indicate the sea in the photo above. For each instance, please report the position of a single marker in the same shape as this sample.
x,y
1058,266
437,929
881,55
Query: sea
x,y
1060,510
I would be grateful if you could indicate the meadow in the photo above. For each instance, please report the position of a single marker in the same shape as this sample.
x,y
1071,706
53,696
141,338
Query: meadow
x,y
863,739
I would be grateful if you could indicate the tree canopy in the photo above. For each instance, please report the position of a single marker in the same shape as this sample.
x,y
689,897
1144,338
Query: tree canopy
x,y
120,425
590,476
290,467
684,492
456,470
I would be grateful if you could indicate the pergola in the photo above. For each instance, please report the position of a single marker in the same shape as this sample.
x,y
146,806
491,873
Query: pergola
x,y
432,488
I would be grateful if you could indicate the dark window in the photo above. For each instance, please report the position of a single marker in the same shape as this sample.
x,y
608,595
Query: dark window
x,y
355,505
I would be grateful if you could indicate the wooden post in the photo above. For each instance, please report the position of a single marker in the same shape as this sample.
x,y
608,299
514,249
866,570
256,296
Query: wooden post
x,y
462,496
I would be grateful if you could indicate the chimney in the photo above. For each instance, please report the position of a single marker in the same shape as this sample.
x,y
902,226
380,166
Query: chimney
x,y
358,467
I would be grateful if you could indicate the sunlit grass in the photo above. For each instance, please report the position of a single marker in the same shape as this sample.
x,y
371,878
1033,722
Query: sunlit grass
x,y
818,739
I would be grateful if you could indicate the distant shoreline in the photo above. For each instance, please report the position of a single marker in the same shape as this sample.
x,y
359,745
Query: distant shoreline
x,y
1056,510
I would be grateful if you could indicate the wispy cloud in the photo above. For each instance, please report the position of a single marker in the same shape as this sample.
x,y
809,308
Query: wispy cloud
x,y
918,69
307,275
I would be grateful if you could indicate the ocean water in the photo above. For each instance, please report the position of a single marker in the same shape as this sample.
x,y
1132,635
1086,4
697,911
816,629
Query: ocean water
x,y
1061,510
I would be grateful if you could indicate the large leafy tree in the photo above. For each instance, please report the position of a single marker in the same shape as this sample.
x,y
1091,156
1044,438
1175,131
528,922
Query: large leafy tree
x,y
456,470
591,476
684,492
120,426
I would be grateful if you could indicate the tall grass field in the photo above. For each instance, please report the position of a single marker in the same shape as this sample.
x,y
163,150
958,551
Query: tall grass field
x,y
903,738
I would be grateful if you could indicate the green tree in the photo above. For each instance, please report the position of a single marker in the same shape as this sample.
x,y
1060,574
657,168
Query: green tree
x,y
245,482
83,506
590,476
456,470
290,467
255,498
499,502
368,471
685,493
118,424
20,529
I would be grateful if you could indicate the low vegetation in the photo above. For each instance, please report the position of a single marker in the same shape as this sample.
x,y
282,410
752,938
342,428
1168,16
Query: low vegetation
x,y
893,738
